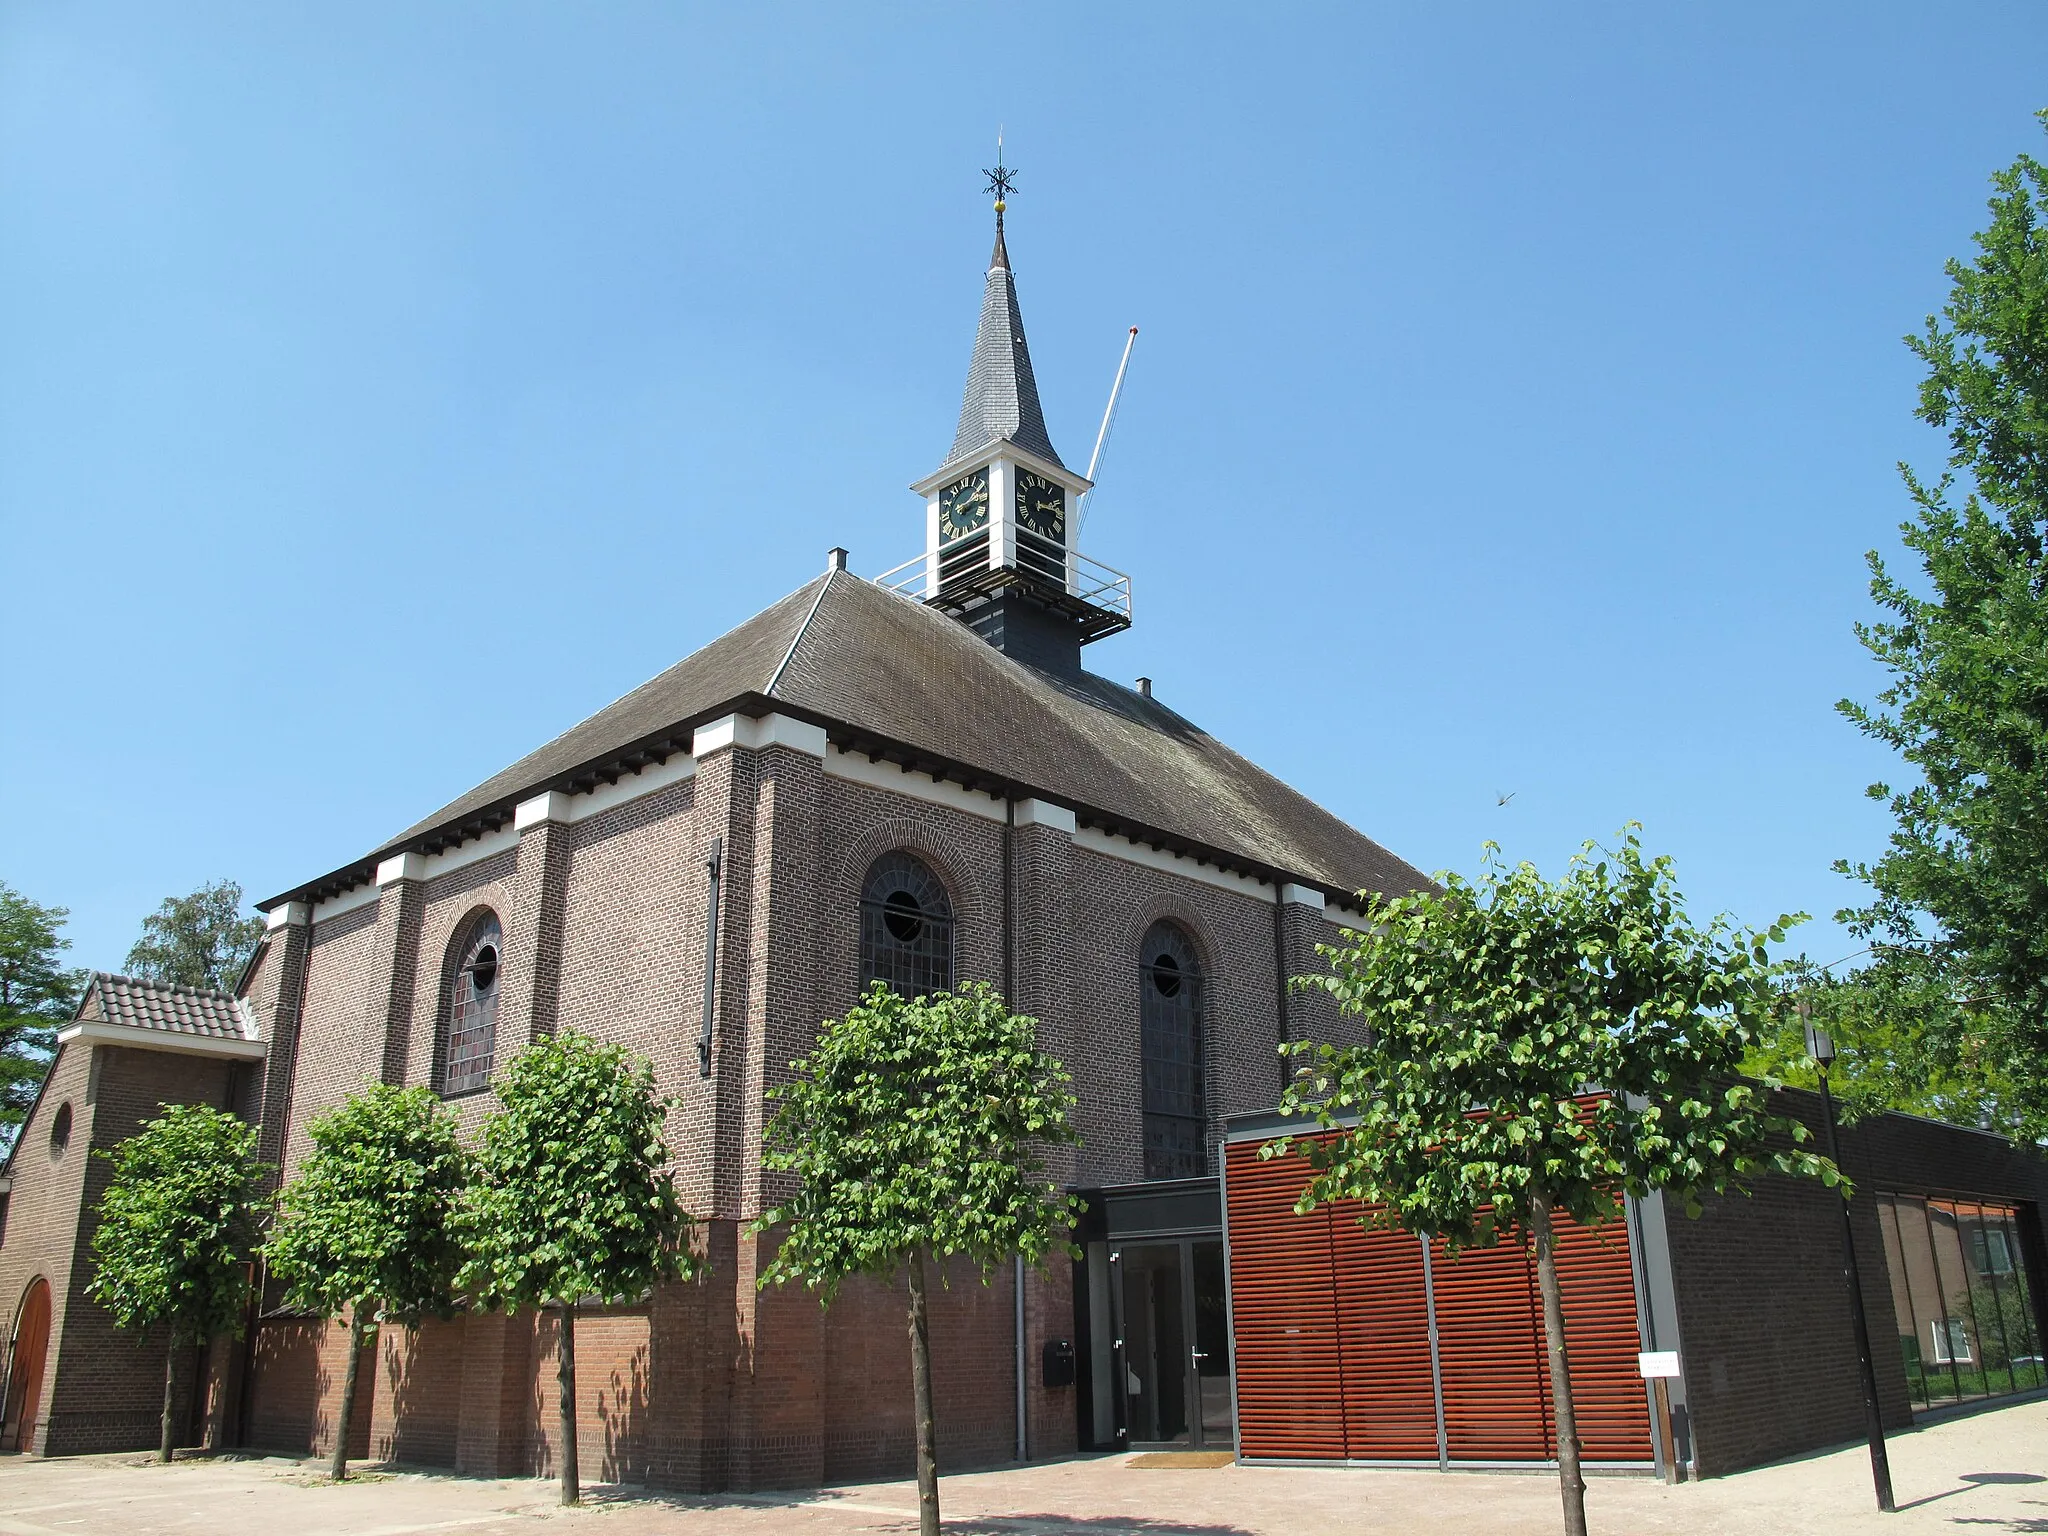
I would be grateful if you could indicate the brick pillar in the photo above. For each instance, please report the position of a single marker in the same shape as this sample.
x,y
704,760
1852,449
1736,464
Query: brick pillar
x,y
1311,1015
534,926
778,1408
291,937
401,906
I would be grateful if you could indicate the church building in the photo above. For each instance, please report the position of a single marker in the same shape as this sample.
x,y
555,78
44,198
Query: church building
x,y
916,780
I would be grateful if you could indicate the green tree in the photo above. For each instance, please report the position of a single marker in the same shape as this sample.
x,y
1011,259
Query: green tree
x,y
366,1229
1906,1041
914,1125
36,995
201,940
1493,1005
1965,874
176,1228
571,1198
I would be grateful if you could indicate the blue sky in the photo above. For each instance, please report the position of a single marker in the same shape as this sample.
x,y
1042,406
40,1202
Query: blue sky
x,y
386,387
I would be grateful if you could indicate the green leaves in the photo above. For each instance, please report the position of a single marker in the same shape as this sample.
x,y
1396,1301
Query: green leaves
x,y
913,1124
1964,879
1495,1005
201,940
177,1224
571,1198
370,1219
36,995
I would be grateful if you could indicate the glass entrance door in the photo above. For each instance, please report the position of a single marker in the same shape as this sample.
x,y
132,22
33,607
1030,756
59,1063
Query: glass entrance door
x,y
1174,1343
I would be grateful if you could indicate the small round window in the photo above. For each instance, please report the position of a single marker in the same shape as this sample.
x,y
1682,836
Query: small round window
x,y
1166,975
60,1130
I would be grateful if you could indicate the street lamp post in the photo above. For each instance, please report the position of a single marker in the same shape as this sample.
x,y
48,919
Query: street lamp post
x,y
1821,1047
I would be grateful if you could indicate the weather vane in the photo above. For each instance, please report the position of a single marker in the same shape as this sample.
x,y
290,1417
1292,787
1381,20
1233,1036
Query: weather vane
x,y
1002,180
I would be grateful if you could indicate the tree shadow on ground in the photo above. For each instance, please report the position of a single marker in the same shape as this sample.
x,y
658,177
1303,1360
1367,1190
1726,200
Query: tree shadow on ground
x,y
1976,1480
1021,1524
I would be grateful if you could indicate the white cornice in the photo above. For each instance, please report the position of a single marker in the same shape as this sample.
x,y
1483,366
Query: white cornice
x,y
858,769
347,901
1043,813
649,779
139,1039
1117,846
401,866
1304,896
768,731
290,914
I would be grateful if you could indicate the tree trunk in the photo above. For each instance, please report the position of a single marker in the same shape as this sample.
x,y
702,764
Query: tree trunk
x,y
921,1390
346,1428
163,1449
1569,1477
565,1380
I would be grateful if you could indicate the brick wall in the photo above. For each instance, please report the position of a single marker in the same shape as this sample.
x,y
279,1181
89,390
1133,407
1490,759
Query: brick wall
x,y
1764,1322
718,1384
102,1387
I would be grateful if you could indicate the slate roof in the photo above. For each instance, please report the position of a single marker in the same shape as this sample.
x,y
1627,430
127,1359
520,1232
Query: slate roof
x,y
1001,401
885,673
162,1005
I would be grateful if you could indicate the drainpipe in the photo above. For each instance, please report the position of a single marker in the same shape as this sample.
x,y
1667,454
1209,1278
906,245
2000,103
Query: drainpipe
x,y
711,863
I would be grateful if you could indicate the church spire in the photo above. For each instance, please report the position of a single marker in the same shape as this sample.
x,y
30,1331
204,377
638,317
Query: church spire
x,y
1001,401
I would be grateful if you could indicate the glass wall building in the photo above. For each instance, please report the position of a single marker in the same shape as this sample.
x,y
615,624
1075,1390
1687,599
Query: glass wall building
x,y
1963,1298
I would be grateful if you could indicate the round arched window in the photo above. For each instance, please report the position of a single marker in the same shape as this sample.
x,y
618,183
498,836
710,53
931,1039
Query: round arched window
x,y
472,1040
60,1129
1170,1042
906,927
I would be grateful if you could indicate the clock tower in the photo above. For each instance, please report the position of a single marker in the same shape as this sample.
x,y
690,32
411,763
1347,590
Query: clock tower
x,y
999,512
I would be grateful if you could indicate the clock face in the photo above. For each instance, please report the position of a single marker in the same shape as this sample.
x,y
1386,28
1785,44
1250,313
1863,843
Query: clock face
x,y
963,507
1042,506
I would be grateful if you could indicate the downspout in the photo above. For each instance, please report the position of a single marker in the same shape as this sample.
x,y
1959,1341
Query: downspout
x,y
711,863
1009,988
1280,972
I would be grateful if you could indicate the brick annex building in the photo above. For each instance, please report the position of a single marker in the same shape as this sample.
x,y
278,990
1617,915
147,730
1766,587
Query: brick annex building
x,y
914,779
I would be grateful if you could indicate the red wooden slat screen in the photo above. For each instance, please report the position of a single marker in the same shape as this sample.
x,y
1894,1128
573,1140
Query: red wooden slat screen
x,y
1383,1324
1332,1347
1288,1355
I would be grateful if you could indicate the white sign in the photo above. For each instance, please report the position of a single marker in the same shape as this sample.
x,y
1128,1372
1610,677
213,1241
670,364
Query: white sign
x,y
1657,1362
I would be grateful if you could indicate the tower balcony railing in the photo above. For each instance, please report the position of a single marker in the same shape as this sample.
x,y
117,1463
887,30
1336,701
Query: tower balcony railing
x,y
962,573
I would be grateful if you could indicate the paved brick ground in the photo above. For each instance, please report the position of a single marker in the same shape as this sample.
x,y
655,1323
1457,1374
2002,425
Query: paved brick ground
x,y
1986,1473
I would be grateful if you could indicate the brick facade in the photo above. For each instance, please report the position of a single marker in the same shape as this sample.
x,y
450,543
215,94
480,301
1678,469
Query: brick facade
x,y
603,902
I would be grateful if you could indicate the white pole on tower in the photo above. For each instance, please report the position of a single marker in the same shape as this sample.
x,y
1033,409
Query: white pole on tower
x,y
1116,393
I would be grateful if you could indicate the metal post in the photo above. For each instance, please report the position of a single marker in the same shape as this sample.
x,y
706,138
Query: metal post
x,y
1880,1463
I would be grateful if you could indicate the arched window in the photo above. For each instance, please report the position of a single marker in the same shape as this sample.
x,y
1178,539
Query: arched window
x,y
1170,1041
473,1008
906,927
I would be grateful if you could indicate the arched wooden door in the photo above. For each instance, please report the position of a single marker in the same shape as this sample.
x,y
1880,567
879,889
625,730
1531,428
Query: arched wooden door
x,y
27,1350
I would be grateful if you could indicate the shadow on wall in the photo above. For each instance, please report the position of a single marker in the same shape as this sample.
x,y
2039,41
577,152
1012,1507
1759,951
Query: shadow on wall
x,y
289,1394
611,1392
423,1372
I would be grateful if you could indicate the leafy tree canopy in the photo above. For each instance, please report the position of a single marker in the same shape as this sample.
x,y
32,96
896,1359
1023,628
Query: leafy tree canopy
x,y
1517,994
1906,1041
178,1223
571,1197
1964,878
201,940
36,995
914,1125
369,1220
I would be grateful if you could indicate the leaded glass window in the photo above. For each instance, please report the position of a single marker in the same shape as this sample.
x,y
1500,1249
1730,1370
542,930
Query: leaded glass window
x,y
473,1009
906,928
1170,1030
